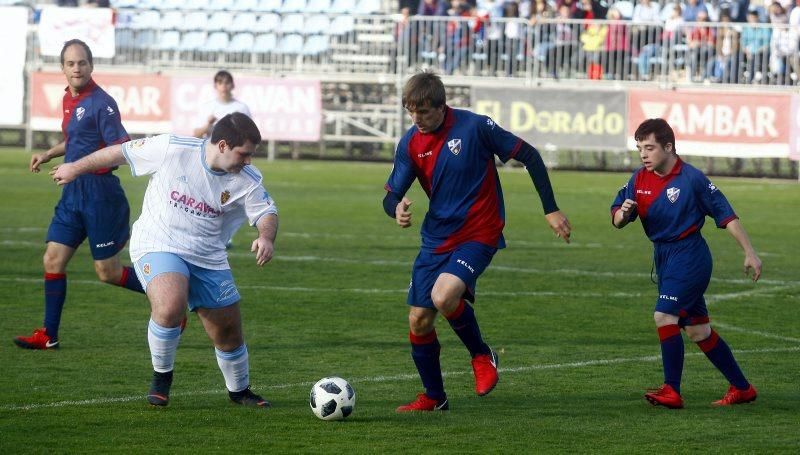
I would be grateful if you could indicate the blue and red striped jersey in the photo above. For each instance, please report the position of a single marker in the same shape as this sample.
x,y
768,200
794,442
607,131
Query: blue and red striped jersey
x,y
674,206
455,165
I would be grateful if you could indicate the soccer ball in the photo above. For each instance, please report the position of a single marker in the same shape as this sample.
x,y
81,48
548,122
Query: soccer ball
x,y
332,398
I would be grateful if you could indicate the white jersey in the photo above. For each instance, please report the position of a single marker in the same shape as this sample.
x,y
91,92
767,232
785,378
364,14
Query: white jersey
x,y
188,208
220,109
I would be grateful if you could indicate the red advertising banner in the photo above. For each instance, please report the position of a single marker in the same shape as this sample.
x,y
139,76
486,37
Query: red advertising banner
x,y
283,109
143,100
707,123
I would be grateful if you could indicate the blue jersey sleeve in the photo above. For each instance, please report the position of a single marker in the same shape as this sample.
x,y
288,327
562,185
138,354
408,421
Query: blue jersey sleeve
x,y
403,174
712,201
109,122
626,192
502,143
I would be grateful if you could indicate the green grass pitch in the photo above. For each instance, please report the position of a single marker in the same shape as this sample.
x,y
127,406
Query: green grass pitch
x,y
572,325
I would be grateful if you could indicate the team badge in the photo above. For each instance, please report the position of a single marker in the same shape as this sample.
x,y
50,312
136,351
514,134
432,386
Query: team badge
x,y
79,113
146,268
110,110
673,193
454,145
223,198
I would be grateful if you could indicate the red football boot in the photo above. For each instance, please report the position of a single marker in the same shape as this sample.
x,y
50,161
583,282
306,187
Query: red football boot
x,y
484,366
736,396
665,396
39,340
425,403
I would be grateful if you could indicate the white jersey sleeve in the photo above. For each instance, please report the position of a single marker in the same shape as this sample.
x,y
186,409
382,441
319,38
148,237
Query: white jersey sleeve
x,y
146,156
257,202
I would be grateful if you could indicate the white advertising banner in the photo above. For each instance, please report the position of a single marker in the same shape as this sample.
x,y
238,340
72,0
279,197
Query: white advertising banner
x,y
13,33
94,26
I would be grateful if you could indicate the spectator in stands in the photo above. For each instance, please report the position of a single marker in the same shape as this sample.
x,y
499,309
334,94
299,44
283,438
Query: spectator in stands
x,y
672,35
794,16
783,46
561,44
593,38
514,35
692,9
591,9
645,21
457,36
617,46
572,6
700,42
754,43
405,39
432,8
67,2
724,67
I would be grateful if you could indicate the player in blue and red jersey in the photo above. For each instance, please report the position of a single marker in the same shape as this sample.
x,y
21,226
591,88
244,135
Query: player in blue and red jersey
x,y
452,154
93,206
672,198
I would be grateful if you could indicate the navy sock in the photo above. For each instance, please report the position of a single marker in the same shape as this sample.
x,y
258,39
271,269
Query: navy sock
x,y
425,352
463,322
672,354
718,352
130,281
55,293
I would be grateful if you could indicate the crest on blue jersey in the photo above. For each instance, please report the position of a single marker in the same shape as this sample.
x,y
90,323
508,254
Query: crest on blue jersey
x,y
79,113
673,193
454,145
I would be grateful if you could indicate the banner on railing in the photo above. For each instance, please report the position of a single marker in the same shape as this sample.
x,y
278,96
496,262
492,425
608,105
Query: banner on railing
x,y
95,26
725,124
13,35
283,109
143,100
561,119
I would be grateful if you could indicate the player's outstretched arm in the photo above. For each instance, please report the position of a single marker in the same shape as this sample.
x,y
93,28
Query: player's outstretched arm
x,y
559,224
41,158
110,156
623,216
264,245
751,260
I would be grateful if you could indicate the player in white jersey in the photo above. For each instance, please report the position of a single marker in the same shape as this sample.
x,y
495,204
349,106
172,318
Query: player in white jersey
x,y
178,245
210,113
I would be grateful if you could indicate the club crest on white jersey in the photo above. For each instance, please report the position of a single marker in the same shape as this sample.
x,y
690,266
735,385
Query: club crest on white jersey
x,y
223,198
673,193
454,145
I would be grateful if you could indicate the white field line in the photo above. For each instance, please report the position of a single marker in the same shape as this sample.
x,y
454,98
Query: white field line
x,y
390,378
734,328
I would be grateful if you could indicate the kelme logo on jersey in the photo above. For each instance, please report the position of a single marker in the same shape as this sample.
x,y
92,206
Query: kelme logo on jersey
x,y
454,145
673,193
110,110
79,113
223,198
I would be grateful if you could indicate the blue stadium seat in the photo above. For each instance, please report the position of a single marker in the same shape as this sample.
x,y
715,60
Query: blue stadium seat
x,y
145,20
293,6
243,22
192,41
171,20
265,43
318,6
168,41
272,6
242,42
245,5
123,38
316,44
169,5
318,23
196,5
221,5
216,42
290,44
147,39
368,6
220,20
342,25
292,23
195,20
122,4
269,22
343,6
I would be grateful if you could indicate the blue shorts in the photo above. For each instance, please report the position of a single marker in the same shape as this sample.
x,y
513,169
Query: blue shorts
x,y
684,271
207,288
467,262
103,217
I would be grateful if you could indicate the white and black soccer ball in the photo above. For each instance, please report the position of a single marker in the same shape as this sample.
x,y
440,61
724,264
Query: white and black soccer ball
x,y
332,398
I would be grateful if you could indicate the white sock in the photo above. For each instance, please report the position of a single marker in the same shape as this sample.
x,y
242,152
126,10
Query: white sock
x,y
163,343
235,367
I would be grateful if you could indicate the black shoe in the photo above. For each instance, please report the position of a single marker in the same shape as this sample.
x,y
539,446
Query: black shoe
x,y
159,389
247,398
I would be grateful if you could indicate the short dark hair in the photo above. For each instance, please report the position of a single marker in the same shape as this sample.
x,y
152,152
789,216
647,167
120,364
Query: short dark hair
x,y
659,128
223,76
77,42
236,129
423,88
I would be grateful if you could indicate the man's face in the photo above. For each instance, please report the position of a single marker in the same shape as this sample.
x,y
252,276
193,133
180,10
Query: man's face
x,y
426,118
236,158
654,156
76,67
224,88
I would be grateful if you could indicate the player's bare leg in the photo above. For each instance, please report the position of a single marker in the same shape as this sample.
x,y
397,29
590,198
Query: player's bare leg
x,y
168,294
